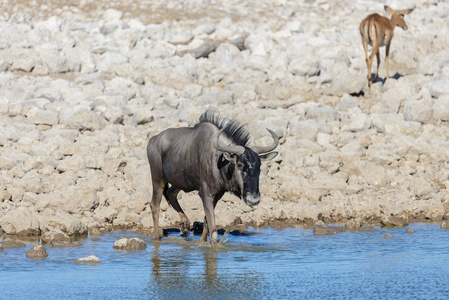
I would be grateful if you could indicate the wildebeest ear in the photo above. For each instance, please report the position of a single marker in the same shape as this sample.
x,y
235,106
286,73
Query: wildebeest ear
x,y
268,156
230,157
222,162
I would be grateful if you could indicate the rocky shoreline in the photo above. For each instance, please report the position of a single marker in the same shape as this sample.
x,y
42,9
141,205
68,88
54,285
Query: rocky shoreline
x,y
84,86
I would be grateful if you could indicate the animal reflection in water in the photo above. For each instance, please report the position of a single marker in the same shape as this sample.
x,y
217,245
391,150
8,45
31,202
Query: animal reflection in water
x,y
213,157
171,265
188,272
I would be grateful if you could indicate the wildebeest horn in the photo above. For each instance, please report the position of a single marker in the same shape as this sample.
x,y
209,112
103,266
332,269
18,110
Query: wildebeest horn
x,y
261,150
239,150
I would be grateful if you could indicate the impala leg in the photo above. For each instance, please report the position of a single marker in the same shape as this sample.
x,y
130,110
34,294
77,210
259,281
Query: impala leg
x,y
387,51
378,65
371,58
365,47
171,195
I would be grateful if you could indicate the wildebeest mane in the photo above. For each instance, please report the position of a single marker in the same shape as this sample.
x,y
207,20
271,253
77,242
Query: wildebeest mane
x,y
233,130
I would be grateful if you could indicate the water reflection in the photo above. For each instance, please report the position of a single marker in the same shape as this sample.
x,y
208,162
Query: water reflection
x,y
179,273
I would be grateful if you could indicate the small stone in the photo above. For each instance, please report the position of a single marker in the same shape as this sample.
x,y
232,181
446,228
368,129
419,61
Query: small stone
x,y
96,239
352,225
88,260
308,223
133,244
444,226
368,228
410,230
65,244
320,230
55,236
13,244
387,236
95,231
320,223
37,251
393,221
1,249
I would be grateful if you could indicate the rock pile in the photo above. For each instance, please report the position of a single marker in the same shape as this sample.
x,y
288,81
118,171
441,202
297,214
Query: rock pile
x,y
84,86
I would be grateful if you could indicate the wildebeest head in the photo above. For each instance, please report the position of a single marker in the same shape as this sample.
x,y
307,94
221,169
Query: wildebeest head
x,y
245,166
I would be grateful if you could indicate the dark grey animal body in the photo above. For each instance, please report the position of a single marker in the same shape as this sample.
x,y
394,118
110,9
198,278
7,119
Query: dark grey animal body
x,y
212,157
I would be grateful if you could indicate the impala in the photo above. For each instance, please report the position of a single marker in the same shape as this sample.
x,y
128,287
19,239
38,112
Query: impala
x,y
377,31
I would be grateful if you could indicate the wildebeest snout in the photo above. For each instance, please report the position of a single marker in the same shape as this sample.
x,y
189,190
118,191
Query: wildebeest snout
x,y
252,200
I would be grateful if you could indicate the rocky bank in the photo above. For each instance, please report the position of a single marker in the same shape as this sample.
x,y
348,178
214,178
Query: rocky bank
x,y
85,84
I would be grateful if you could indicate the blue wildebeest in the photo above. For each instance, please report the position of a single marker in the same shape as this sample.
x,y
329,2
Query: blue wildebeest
x,y
212,158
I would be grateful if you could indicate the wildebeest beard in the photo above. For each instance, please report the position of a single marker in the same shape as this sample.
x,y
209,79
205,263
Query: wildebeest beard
x,y
237,192
222,162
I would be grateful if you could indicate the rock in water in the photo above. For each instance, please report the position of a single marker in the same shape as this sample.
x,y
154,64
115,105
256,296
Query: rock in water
x,y
410,230
65,244
88,260
55,236
133,244
390,221
13,244
367,228
321,230
37,251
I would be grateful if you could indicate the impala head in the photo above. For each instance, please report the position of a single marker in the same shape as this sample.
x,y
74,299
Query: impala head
x,y
397,16
245,165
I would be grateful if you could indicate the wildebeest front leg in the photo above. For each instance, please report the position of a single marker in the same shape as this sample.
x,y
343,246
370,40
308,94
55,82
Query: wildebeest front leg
x,y
205,229
208,204
171,195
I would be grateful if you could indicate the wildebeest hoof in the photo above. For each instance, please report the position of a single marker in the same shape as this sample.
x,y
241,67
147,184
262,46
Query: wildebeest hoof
x,y
217,245
186,234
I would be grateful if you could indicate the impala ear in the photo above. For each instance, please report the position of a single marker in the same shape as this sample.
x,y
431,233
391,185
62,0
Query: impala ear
x,y
406,11
268,156
388,9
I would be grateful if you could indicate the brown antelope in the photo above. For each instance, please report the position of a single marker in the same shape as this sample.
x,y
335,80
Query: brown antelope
x,y
377,31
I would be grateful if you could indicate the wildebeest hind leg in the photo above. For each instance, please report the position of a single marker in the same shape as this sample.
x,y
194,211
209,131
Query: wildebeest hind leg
x,y
204,235
158,187
171,194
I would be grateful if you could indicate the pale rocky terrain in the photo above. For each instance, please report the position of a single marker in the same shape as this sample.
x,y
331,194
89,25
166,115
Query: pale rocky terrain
x,y
84,85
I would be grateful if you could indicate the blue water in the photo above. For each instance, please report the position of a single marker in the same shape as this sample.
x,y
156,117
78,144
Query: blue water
x,y
278,264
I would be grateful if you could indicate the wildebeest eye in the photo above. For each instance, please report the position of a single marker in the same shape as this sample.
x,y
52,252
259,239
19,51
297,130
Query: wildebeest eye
x,y
240,165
